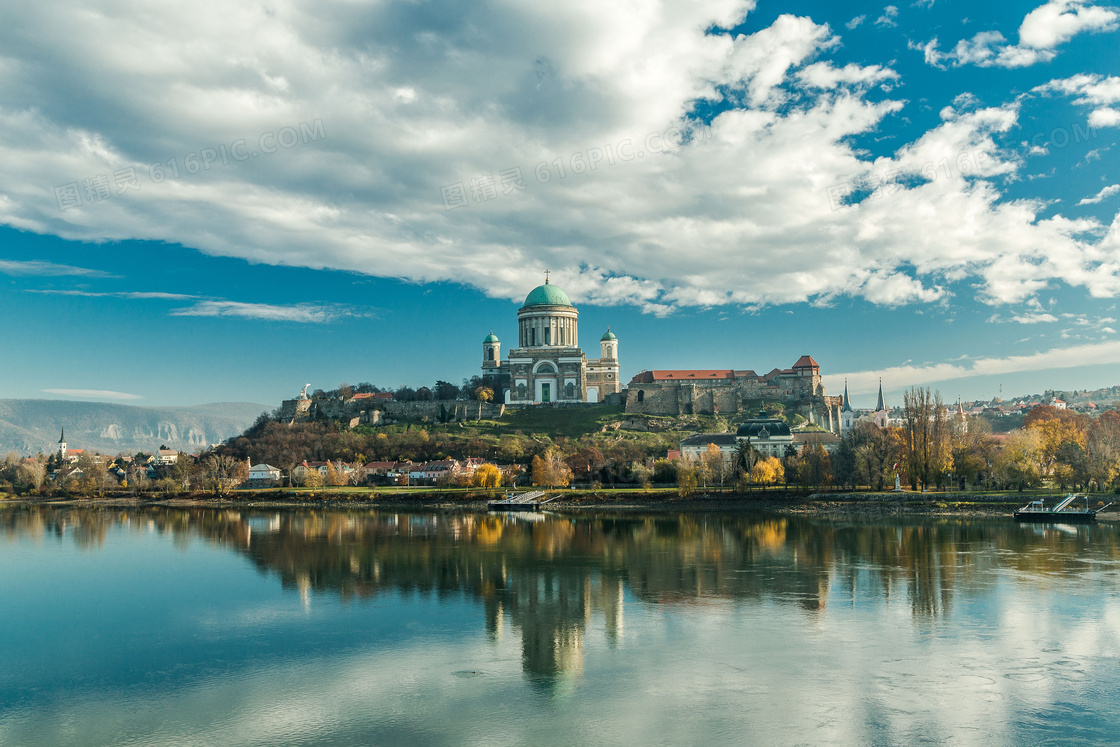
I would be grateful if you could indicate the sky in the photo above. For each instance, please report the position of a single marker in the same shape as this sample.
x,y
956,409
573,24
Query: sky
x,y
203,202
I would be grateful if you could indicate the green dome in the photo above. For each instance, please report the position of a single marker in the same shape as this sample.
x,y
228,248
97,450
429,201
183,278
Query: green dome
x,y
608,336
547,295
491,337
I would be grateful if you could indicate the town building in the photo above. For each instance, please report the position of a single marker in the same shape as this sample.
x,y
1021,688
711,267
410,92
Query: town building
x,y
727,391
548,364
770,436
262,475
65,455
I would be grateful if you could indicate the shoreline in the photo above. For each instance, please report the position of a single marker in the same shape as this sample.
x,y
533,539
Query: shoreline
x,y
834,504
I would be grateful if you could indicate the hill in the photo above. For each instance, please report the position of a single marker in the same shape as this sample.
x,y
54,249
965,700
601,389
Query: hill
x,y
28,426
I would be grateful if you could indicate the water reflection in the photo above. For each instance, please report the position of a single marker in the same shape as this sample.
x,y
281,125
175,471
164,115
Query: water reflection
x,y
545,578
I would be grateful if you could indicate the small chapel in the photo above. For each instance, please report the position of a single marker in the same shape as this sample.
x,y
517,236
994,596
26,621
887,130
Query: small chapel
x,y
548,364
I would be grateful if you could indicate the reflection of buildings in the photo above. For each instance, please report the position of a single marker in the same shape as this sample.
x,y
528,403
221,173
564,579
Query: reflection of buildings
x,y
552,581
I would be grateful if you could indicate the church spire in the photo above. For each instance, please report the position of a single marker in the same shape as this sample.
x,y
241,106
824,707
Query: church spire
x,y
62,438
847,400
881,406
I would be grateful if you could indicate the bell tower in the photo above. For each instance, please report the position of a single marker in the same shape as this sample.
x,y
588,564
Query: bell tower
x,y
491,352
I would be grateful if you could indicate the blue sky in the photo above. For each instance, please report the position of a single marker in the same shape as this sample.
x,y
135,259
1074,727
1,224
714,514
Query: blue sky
x,y
224,205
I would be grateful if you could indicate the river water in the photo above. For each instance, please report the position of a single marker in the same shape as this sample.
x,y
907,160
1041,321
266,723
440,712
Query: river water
x,y
245,627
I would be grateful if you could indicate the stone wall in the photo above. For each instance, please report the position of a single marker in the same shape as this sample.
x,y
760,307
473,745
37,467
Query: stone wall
x,y
387,412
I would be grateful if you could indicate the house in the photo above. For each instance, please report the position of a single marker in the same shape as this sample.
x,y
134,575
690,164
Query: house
x,y
166,457
263,476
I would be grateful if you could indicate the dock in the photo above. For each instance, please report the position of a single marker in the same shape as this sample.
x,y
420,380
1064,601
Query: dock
x,y
531,501
1061,512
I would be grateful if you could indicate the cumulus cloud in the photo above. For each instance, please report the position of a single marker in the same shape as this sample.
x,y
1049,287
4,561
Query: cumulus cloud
x,y
888,19
1098,92
1108,191
485,147
1043,30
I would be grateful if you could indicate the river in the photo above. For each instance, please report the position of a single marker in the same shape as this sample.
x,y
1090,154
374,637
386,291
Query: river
x,y
245,627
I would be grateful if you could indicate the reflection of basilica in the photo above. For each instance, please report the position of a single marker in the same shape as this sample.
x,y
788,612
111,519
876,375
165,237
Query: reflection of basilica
x,y
549,581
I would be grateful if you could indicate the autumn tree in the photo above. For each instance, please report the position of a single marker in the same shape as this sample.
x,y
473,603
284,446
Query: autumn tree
x,y
586,462
1064,436
1020,461
483,394
972,449
1102,449
486,476
221,473
767,471
550,470
686,480
926,428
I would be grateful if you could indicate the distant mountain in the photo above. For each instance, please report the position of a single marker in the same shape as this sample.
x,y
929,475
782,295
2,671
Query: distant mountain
x,y
33,425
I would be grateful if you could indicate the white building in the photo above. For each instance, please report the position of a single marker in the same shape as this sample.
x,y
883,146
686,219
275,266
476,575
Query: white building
x,y
548,365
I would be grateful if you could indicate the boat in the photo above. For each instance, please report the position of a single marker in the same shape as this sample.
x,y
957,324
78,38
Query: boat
x,y
1062,511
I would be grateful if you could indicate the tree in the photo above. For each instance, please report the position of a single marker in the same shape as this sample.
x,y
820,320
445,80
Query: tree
x,y
32,473
713,467
973,450
746,455
336,476
686,480
92,479
586,462
845,462
486,476
445,390
221,473
927,437
1102,449
483,394
550,470
767,471
1020,460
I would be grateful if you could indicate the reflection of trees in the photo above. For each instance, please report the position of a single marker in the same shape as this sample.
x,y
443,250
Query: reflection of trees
x,y
548,579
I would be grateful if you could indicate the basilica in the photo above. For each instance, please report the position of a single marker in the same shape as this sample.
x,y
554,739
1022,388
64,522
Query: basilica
x,y
548,365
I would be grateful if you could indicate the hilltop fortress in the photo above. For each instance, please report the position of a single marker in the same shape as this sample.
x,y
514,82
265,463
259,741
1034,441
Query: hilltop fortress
x,y
714,392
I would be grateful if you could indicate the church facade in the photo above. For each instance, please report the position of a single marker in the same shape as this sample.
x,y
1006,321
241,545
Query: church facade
x,y
548,365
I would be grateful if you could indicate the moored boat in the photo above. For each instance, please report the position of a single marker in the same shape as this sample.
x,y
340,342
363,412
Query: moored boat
x,y
1062,511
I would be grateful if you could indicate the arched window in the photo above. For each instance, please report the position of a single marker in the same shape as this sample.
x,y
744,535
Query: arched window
x,y
641,395
490,354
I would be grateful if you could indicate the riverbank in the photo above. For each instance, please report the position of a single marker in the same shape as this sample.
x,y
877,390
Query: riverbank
x,y
863,504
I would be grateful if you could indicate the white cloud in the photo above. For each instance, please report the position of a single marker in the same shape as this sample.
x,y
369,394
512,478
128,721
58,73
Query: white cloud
x,y
94,394
46,269
890,13
302,313
1043,30
1058,21
825,75
855,22
412,101
1108,191
920,375
1096,91
131,295
1034,318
